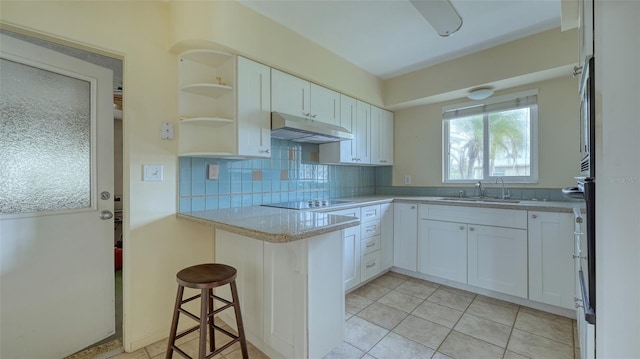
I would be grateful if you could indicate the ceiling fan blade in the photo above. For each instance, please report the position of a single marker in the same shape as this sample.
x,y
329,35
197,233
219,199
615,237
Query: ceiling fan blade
x,y
440,14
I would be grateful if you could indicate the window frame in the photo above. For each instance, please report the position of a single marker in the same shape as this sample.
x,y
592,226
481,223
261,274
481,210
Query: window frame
x,y
533,123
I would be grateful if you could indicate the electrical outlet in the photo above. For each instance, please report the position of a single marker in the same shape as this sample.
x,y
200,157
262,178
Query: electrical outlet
x,y
213,172
407,179
152,173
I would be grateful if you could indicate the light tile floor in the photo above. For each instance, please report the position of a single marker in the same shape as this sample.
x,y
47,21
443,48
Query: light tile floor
x,y
398,317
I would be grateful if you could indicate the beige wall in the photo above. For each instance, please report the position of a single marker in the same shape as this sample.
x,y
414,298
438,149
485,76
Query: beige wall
x,y
156,244
418,137
534,58
248,33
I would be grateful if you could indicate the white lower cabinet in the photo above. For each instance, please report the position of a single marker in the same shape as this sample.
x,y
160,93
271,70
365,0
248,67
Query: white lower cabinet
x,y
405,236
474,246
352,248
551,268
386,236
370,265
551,247
291,294
498,259
368,248
442,249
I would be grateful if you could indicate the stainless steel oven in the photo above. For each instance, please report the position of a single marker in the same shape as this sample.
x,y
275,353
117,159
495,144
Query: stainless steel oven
x,y
587,119
586,189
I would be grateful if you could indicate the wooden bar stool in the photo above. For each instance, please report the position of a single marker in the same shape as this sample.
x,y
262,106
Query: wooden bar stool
x,y
206,277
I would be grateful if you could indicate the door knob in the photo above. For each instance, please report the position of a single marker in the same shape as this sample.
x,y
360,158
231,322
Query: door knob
x,y
104,215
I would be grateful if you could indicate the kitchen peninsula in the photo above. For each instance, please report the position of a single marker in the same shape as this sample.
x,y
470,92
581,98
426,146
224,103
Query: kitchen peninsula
x,y
289,276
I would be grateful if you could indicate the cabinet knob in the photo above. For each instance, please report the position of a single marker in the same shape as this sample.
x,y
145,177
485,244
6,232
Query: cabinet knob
x,y
413,207
313,116
461,227
266,151
534,216
471,229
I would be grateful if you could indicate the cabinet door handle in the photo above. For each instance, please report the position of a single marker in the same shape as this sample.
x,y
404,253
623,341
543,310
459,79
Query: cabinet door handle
x,y
461,227
371,265
534,216
372,244
313,116
471,229
370,214
266,151
413,207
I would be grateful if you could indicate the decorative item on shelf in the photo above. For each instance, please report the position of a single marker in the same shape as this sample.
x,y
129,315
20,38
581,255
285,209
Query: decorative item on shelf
x,y
480,93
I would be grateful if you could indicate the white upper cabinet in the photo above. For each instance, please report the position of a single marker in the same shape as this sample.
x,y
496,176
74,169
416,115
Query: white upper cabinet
x,y
325,105
381,137
298,97
362,133
290,94
224,105
355,116
254,109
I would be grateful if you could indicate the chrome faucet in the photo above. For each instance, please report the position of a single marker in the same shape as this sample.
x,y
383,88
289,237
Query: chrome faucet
x,y
503,195
479,185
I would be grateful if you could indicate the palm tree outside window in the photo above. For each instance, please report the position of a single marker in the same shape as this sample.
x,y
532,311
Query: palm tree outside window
x,y
483,140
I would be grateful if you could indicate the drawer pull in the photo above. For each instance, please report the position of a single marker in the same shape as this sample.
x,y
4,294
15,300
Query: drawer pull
x,y
371,265
372,244
370,214
461,227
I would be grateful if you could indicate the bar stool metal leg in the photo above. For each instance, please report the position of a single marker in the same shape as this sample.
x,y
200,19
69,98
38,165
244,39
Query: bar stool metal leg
x,y
236,309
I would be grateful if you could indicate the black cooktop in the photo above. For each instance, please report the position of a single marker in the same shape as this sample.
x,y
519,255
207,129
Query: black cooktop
x,y
315,204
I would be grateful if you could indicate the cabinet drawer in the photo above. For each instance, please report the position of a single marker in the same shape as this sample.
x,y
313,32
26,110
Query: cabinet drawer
x,y
351,212
511,218
370,265
368,245
369,229
370,213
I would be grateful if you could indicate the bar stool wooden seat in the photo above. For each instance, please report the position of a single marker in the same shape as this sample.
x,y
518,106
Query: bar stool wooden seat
x,y
206,277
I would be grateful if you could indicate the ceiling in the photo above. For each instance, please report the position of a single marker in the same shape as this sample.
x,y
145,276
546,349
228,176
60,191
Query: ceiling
x,y
389,37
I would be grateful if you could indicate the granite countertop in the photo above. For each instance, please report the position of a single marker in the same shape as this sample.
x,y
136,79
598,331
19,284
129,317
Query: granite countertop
x,y
278,225
274,225
526,205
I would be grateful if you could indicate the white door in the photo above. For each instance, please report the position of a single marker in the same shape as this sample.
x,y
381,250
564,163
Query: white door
x,y
56,181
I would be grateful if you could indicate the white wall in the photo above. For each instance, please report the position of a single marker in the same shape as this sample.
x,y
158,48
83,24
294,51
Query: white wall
x,y
617,56
418,137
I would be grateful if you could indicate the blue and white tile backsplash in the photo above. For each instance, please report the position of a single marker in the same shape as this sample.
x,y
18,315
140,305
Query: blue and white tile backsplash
x,y
291,174
294,174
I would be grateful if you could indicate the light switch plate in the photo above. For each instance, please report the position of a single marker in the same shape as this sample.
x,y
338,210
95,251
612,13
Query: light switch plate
x,y
167,131
152,173
407,179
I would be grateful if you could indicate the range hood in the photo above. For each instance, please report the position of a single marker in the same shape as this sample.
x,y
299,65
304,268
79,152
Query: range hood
x,y
300,129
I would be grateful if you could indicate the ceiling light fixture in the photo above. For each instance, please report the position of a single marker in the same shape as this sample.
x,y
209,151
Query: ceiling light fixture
x,y
480,93
440,14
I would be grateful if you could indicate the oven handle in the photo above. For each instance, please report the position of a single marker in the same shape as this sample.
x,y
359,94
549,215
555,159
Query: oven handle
x,y
573,193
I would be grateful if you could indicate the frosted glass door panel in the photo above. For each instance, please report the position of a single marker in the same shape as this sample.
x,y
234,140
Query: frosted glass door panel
x,y
45,136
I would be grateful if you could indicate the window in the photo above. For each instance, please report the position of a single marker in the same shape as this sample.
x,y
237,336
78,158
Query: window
x,y
483,140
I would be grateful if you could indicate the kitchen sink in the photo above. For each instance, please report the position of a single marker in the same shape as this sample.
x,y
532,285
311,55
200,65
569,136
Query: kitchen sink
x,y
479,199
